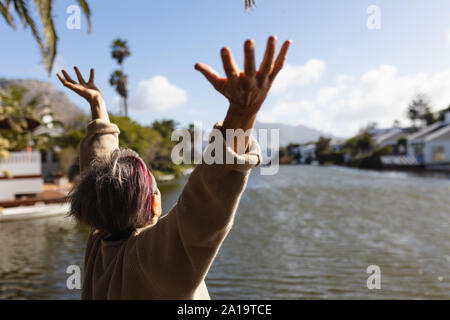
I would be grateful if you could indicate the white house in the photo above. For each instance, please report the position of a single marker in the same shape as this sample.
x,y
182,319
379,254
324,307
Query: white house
x,y
392,138
20,175
305,153
431,145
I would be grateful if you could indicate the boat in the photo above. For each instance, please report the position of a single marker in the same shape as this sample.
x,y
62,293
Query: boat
x,y
23,193
39,210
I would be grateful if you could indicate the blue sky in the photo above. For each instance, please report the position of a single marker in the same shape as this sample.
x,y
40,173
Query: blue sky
x,y
340,74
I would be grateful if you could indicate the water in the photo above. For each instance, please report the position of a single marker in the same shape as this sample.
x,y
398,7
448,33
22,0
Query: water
x,y
308,232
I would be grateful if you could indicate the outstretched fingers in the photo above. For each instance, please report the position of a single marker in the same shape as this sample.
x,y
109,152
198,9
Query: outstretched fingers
x,y
211,75
67,83
91,77
249,61
229,65
79,76
267,63
279,62
68,78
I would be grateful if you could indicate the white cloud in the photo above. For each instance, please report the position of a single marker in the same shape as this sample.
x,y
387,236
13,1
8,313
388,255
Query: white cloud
x,y
157,94
380,95
295,76
326,94
291,109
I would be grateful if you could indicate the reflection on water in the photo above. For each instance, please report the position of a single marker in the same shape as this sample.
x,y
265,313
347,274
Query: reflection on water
x,y
308,232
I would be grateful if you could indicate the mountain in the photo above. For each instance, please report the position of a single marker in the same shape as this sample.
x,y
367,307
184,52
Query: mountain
x,y
292,134
61,107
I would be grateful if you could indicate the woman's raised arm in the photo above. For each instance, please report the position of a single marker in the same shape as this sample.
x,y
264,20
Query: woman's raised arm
x,y
245,90
102,137
87,90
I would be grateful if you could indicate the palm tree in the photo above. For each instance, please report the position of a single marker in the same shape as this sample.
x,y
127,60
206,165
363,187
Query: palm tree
x,y
17,121
44,7
249,3
120,51
118,79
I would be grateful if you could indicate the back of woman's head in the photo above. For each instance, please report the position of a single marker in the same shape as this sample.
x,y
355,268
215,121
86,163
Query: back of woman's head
x,y
114,194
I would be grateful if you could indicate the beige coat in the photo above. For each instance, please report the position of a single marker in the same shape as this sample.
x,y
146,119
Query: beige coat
x,y
168,260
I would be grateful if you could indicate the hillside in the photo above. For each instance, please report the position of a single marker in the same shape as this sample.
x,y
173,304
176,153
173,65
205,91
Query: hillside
x,y
292,134
62,108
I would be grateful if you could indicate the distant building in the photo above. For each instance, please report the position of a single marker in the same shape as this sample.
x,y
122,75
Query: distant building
x,y
337,145
431,145
377,132
49,158
392,137
20,175
305,153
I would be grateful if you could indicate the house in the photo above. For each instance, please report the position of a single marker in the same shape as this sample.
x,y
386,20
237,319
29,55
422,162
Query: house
x,y
431,145
377,132
49,158
393,139
305,153
20,175
309,153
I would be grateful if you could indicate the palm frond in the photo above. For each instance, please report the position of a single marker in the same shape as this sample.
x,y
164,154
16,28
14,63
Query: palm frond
x,y
249,4
87,13
47,47
45,11
4,11
22,11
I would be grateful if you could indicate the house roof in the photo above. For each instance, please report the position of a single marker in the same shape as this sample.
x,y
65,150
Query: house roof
x,y
393,136
387,136
425,133
441,133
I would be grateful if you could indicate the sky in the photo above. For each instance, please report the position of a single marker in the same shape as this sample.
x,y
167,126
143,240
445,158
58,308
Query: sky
x,y
349,64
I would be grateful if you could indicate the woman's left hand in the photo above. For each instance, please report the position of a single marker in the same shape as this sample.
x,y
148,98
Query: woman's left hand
x,y
246,90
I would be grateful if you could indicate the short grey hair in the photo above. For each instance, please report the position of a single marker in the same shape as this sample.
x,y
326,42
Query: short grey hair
x,y
115,194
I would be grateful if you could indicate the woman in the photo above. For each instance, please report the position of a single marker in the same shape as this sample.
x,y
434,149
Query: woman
x,y
129,253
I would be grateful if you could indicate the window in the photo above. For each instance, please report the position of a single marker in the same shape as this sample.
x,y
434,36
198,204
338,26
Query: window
x,y
418,149
438,153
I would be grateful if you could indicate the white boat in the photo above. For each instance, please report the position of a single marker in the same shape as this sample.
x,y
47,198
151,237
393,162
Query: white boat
x,y
39,210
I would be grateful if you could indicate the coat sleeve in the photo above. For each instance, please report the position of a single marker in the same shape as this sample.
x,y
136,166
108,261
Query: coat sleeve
x,y
101,139
178,251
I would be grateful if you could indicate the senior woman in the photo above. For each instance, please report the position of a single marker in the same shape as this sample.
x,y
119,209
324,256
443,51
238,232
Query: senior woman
x,y
129,253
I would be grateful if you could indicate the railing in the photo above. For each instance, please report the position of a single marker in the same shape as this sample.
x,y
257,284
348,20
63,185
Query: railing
x,y
21,163
22,157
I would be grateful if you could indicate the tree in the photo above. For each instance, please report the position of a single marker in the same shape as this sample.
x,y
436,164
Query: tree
x,y
368,127
17,122
249,3
44,7
429,118
419,109
323,146
118,79
362,143
442,113
164,127
402,144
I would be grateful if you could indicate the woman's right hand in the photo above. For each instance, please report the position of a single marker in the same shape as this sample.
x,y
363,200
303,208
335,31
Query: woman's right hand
x,y
87,90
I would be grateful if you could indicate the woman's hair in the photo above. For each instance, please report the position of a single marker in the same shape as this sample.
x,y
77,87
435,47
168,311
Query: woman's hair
x,y
114,194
